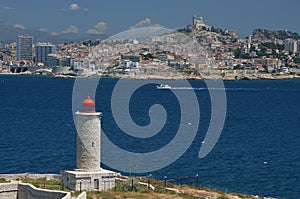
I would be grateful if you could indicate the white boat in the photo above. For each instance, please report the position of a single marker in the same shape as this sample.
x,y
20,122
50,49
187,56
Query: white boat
x,y
163,86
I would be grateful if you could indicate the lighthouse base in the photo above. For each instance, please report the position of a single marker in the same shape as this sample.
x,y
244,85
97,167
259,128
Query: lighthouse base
x,y
88,180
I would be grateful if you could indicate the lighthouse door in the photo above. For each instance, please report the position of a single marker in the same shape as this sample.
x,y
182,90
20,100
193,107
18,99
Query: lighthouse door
x,y
96,183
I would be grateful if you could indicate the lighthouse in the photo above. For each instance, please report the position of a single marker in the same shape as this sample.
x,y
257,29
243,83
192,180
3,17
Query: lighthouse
x,y
88,174
88,143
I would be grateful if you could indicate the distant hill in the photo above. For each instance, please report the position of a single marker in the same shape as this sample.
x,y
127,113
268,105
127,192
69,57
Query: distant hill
x,y
8,33
275,34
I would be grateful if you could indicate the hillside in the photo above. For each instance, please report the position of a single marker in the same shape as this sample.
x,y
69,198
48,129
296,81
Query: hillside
x,y
263,34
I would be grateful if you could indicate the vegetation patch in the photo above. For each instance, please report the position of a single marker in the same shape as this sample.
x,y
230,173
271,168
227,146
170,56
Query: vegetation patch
x,y
43,183
2,180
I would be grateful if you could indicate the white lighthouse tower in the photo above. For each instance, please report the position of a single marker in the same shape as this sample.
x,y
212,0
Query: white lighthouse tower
x,y
88,125
88,174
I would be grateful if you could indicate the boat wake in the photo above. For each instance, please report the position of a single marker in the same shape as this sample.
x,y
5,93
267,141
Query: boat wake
x,y
233,89
220,89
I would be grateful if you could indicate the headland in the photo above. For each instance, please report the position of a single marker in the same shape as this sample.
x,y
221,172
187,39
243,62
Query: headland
x,y
127,187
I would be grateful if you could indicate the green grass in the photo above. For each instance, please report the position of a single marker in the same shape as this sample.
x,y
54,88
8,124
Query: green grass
x,y
185,196
43,183
2,180
124,189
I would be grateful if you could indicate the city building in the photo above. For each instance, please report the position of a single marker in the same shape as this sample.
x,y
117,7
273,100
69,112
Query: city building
x,y
290,45
88,175
53,60
69,61
24,48
131,57
42,50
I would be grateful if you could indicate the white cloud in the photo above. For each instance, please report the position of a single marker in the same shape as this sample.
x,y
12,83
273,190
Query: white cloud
x,y
71,29
86,9
20,26
158,25
8,8
145,23
92,31
54,33
43,29
74,6
99,28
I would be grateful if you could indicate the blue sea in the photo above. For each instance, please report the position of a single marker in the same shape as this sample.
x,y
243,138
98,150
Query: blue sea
x,y
258,152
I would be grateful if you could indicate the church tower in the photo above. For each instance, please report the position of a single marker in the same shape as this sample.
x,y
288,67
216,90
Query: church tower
x,y
194,19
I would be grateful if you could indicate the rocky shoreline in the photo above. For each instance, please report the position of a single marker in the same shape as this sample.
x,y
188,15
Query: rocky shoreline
x,y
227,77
231,77
177,191
20,176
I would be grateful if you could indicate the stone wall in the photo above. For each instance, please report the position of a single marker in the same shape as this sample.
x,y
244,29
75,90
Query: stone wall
x,y
28,191
82,196
8,190
17,190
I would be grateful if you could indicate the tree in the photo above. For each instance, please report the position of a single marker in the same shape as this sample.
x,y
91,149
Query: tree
x,y
297,60
237,53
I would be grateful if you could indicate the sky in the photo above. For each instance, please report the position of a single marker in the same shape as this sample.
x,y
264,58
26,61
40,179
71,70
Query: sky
x,y
114,16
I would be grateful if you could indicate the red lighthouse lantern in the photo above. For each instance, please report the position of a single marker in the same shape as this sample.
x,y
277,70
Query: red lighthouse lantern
x,y
88,105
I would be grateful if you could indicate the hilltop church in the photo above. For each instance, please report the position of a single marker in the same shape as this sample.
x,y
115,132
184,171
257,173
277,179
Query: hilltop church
x,y
198,24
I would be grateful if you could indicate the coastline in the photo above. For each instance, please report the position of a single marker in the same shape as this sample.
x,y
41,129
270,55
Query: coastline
x,y
160,188
231,77
20,176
